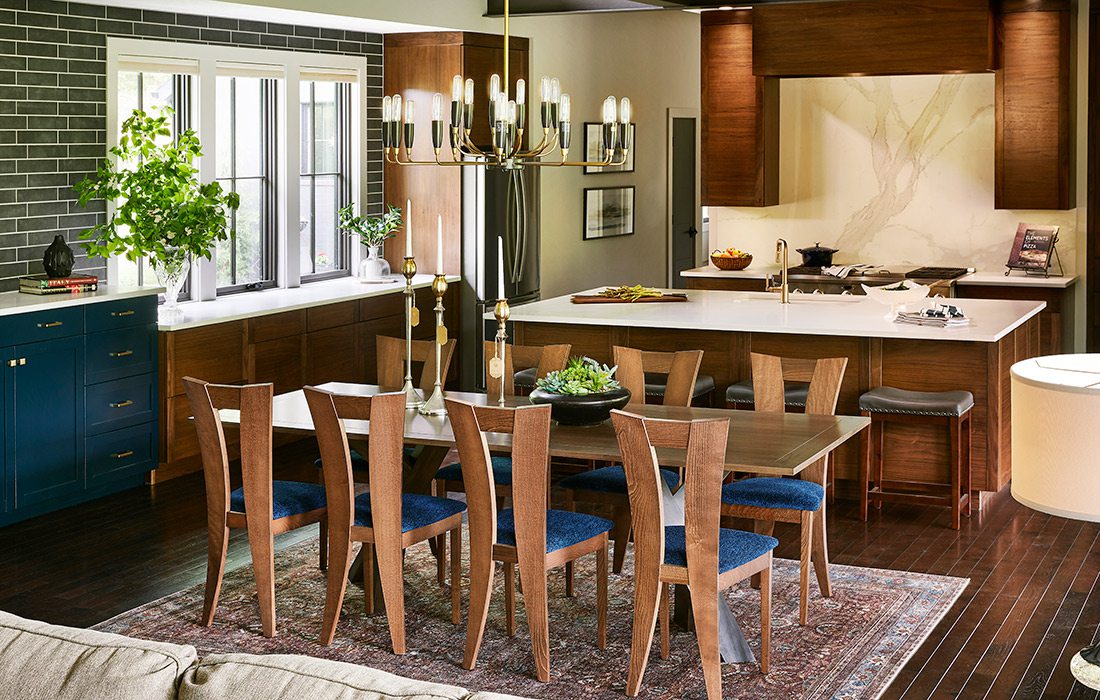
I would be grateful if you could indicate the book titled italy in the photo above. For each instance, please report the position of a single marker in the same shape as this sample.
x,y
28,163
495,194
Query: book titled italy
x,y
1032,247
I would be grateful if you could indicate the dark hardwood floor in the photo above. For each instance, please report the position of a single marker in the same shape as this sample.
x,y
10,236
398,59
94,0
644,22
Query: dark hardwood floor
x,y
1032,602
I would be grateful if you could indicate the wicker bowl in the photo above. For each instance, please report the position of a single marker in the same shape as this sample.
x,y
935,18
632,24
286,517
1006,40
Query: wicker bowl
x,y
731,263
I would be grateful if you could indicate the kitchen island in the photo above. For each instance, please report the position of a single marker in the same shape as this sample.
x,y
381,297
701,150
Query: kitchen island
x,y
730,325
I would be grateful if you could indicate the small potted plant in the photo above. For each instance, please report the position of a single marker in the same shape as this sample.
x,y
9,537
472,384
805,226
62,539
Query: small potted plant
x,y
373,231
584,393
163,213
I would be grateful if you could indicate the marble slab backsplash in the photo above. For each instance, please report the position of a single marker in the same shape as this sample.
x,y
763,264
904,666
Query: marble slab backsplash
x,y
888,170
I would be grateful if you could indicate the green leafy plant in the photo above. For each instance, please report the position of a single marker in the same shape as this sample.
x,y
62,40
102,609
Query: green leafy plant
x,y
581,376
163,211
372,230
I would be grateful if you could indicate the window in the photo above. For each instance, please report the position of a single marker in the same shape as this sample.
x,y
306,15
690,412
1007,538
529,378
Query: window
x,y
325,177
247,165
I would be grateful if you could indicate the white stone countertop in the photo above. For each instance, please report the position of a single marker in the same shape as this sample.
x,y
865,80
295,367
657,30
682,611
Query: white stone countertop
x,y
992,279
761,312
12,303
235,307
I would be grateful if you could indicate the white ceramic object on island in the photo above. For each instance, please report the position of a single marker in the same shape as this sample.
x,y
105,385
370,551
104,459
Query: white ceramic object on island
x,y
897,298
374,269
171,274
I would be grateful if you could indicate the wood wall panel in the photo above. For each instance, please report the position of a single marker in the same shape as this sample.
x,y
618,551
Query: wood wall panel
x,y
1092,253
872,37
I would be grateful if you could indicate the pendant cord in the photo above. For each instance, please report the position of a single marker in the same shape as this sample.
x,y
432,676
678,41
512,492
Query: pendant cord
x,y
507,86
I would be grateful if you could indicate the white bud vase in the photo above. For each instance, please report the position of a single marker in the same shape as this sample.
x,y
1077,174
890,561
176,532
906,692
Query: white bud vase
x,y
374,269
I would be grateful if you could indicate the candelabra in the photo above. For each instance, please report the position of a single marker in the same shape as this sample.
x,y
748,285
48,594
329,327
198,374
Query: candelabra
x,y
433,405
412,319
500,345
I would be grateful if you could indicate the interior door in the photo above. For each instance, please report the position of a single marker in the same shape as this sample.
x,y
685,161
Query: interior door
x,y
683,198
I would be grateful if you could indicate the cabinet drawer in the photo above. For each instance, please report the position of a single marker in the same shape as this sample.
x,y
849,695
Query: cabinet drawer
x,y
139,311
120,353
121,452
42,325
120,403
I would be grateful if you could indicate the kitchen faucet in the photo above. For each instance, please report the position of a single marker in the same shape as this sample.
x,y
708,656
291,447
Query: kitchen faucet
x,y
781,258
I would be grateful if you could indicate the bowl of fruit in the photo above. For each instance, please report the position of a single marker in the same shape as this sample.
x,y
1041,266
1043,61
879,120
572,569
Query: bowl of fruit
x,y
730,259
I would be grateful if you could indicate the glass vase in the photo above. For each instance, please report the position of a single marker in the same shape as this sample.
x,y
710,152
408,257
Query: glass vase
x,y
374,268
171,274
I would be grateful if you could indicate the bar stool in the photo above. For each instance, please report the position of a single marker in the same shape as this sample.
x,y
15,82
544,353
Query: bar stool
x,y
741,395
950,409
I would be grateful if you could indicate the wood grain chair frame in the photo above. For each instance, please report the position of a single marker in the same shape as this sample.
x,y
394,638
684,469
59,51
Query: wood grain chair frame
x,y
254,403
391,362
530,430
545,359
384,539
704,442
824,376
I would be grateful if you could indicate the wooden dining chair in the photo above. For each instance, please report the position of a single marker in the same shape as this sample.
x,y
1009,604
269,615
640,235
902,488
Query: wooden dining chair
x,y
699,554
607,486
384,519
391,362
767,500
274,507
527,535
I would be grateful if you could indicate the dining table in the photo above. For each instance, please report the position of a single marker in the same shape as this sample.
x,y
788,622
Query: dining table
x,y
768,444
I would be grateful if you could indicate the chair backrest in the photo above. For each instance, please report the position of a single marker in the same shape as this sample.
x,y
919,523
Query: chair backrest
x,y
530,430
254,403
545,359
386,413
391,362
824,376
682,368
704,444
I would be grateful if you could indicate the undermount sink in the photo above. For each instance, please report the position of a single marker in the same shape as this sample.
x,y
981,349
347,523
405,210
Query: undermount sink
x,y
824,298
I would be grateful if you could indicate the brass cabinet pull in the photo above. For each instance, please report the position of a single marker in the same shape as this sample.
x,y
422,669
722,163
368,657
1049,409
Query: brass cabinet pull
x,y
124,353
123,455
22,361
51,324
122,404
12,363
127,312
18,362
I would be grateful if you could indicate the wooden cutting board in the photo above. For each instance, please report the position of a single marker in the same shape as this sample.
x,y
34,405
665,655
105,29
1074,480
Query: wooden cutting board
x,y
597,299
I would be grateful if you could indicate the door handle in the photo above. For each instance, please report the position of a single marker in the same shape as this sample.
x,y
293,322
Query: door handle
x,y
123,455
124,353
127,312
122,404
691,232
51,324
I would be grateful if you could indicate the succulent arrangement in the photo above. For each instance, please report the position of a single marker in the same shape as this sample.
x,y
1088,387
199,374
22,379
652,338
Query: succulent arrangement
x,y
581,376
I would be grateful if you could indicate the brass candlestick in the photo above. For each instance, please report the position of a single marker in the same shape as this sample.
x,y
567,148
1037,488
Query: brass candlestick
x,y
500,345
434,405
412,319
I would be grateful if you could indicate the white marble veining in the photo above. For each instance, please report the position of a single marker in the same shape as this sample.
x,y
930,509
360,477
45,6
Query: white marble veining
x,y
974,279
12,303
761,312
897,169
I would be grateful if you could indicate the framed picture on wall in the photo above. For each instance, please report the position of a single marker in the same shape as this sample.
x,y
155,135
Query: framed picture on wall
x,y
593,151
608,211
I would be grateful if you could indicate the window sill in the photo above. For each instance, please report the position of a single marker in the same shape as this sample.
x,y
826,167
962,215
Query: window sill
x,y
273,301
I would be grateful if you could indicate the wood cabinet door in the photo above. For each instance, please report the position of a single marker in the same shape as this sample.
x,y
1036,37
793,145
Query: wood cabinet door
x,y
278,361
332,355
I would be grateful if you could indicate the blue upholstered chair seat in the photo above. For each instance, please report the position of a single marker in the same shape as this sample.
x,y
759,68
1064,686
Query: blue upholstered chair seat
x,y
610,480
417,510
774,492
563,528
502,471
289,498
359,462
735,547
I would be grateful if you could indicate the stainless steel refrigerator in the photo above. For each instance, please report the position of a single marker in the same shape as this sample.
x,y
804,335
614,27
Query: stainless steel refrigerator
x,y
495,203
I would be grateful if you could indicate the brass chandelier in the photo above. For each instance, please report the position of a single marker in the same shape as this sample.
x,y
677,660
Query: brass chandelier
x,y
507,120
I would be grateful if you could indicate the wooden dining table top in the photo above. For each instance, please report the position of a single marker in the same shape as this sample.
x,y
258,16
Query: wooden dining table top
x,y
774,444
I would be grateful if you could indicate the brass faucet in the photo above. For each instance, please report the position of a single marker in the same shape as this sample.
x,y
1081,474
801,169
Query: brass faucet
x,y
781,258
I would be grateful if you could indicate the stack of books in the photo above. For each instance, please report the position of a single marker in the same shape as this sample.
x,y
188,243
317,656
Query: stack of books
x,y
942,316
74,284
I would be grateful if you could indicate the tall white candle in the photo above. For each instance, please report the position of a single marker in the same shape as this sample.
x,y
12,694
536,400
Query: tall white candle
x,y
439,249
408,228
500,269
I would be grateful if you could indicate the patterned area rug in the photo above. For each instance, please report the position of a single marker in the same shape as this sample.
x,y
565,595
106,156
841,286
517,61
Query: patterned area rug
x,y
856,641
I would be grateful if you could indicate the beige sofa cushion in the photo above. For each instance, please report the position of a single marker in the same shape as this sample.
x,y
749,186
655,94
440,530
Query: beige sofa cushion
x,y
47,662
290,677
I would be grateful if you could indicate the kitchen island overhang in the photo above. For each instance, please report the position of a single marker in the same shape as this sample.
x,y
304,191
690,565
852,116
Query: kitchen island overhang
x,y
728,326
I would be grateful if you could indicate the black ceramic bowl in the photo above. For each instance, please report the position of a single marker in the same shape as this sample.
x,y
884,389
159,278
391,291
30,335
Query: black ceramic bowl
x,y
590,409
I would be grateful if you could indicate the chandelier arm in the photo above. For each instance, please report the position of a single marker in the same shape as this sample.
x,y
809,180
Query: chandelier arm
x,y
540,149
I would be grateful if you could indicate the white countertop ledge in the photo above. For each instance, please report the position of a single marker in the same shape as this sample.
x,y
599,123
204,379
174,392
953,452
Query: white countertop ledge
x,y
235,307
974,279
12,303
761,312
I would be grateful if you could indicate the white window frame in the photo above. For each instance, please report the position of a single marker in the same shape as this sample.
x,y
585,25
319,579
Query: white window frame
x,y
290,65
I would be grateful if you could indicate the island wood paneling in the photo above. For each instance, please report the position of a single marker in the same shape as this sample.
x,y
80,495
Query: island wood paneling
x,y
1054,320
872,37
740,133
913,453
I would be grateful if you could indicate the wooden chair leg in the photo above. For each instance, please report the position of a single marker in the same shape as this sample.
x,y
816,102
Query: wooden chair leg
x,y
647,592
967,476
765,618
323,543
954,445
864,469
666,646
830,481
339,563
879,458
481,588
622,522
807,543
570,504
601,597
761,527
704,608
820,554
456,575
390,570
441,559
368,577
510,598
217,542
262,545
532,581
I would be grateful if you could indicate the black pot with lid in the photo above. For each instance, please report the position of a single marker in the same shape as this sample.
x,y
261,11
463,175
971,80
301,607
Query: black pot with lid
x,y
817,256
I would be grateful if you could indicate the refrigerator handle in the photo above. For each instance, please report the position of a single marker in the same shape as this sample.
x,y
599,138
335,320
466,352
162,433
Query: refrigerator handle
x,y
521,224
